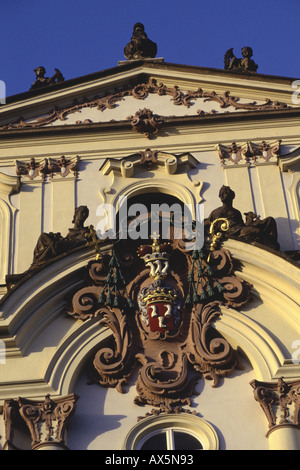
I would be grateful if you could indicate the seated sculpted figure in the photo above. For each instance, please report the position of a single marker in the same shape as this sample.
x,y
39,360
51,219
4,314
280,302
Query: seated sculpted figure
x,y
50,245
227,211
140,45
42,81
244,64
253,230
261,231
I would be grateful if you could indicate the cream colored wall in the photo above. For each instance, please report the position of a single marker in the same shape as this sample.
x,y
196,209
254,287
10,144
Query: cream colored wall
x,y
49,206
46,350
104,416
8,186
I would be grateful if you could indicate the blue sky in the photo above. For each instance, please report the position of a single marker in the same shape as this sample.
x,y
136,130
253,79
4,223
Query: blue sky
x,y
84,36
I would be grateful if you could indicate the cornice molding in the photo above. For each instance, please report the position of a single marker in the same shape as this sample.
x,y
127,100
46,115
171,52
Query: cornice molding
x,y
130,70
187,125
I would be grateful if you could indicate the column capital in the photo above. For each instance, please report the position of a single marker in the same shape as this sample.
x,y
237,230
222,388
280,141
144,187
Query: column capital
x,y
9,184
280,402
46,419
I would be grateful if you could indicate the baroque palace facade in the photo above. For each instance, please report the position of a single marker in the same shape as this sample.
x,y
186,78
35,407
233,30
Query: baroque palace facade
x,y
117,336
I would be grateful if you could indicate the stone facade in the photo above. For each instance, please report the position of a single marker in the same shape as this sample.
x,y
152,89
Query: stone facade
x,y
164,338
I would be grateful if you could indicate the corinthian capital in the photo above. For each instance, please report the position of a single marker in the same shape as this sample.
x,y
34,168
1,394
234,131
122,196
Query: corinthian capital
x,y
46,420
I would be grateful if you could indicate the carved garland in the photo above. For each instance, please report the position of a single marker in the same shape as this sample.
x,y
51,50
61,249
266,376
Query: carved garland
x,y
141,92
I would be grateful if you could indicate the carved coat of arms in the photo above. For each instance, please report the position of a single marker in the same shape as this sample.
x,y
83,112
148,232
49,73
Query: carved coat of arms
x,y
160,303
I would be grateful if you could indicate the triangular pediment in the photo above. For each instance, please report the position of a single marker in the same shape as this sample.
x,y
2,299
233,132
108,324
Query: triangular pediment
x,y
166,90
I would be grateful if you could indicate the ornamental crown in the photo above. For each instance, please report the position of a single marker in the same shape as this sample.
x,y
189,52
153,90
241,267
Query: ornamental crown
x,y
154,252
160,294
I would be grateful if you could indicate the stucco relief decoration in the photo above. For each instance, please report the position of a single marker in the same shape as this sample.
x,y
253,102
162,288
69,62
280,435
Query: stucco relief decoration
x,y
140,91
146,122
279,401
45,419
160,302
249,153
48,167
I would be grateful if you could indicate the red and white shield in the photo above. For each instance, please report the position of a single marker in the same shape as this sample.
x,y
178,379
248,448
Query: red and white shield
x,y
160,316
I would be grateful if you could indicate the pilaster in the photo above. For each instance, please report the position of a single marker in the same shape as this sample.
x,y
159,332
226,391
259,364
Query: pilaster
x,y
8,185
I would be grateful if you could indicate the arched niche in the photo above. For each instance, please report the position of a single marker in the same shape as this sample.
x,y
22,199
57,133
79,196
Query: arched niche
x,y
131,177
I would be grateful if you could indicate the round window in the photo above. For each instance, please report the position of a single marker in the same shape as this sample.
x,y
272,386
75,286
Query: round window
x,y
170,439
172,432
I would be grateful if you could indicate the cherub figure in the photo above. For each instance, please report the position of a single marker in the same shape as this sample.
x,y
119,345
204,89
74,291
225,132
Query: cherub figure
x,y
244,64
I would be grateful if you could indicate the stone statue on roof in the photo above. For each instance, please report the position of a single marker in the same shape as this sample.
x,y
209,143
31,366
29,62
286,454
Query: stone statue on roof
x,y
245,64
41,81
140,46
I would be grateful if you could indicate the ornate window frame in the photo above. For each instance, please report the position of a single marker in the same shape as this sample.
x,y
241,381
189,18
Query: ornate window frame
x,y
131,176
189,423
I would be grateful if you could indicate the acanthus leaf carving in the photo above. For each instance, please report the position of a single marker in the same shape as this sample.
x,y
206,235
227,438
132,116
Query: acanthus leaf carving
x,y
114,364
280,401
46,419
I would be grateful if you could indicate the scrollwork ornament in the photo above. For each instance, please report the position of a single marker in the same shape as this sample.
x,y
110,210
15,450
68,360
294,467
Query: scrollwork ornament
x,y
115,363
141,91
161,334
